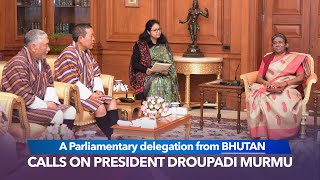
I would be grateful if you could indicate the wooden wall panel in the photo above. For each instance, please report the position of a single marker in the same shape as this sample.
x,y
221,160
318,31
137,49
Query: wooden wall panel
x,y
210,28
315,36
126,23
287,7
290,17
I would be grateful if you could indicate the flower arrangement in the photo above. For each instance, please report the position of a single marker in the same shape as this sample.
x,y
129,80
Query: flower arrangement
x,y
155,103
57,132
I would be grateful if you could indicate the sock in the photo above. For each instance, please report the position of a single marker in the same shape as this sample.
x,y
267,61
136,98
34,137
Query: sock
x,y
69,123
104,124
113,118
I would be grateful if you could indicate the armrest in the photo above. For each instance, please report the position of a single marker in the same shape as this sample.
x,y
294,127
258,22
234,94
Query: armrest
x,y
64,91
107,81
249,78
7,101
16,102
312,79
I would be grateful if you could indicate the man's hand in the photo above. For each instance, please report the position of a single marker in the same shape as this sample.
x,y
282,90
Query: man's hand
x,y
95,96
99,92
51,105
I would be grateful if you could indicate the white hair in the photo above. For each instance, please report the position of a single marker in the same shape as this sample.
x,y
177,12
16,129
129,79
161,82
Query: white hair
x,y
33,36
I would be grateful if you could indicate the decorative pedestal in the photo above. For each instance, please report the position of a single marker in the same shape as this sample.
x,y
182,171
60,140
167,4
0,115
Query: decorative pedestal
x,y
130,107
202,66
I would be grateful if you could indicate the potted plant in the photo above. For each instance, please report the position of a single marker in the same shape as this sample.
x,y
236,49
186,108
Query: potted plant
x,y
58,42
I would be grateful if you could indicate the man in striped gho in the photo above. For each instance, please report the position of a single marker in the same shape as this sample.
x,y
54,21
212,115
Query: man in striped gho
x,y
76,65
28,75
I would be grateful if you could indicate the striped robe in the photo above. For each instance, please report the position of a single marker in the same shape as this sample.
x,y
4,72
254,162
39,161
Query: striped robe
x,y
72,66
21,76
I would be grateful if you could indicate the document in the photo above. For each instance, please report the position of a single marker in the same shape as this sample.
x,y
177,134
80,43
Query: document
x,y
158,67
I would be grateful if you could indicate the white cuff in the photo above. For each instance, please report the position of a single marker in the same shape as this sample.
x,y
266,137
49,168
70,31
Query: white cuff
x,y
37,104
97,84
85,93
51,95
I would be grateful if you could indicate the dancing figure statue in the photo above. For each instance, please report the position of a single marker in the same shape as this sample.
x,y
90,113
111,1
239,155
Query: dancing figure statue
x,y
194,27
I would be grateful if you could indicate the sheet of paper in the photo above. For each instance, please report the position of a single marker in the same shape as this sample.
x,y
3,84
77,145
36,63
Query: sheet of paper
x,y
158,67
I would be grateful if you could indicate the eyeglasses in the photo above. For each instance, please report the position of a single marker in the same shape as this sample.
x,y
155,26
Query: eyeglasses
x,y
157,30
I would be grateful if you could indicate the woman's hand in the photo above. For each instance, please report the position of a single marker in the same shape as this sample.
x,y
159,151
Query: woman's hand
x,y
267,84
164,72
149,71
281,84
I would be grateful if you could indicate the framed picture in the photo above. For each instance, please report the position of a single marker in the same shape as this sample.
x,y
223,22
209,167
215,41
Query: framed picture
x,y
131,3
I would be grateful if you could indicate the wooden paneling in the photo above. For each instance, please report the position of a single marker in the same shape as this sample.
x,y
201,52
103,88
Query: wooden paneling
x,y
315,36
287,7
126,23
290,17
210,28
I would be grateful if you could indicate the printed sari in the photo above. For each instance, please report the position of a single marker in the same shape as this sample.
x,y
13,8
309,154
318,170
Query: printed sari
x,y
161,85
277,115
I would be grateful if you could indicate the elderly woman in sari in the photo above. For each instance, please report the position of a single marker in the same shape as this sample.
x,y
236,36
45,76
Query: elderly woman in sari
x,y
277,115
153,47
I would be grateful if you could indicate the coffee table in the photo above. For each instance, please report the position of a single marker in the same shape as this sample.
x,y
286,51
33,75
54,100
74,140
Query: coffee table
x,y
165,124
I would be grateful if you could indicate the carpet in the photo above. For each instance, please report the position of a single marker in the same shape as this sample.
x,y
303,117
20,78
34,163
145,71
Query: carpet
x,y
225,130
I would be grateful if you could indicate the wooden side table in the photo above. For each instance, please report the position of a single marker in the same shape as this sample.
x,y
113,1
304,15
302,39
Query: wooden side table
x,y
315,113
202,66
216,87
130,107
131,94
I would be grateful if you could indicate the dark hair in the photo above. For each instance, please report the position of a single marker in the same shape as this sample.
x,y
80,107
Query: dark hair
x,y
80,30
145,36
280,35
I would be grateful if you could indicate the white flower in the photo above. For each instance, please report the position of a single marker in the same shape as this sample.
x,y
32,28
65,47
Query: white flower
x,y
57,132
157,106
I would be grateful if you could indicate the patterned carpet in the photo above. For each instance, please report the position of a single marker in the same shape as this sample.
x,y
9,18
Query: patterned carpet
x,y
226,129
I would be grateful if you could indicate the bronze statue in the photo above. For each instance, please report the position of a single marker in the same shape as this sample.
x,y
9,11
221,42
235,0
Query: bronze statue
x,y
194,27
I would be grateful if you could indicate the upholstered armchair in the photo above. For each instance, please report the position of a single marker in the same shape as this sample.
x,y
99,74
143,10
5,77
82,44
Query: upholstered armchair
x,y
251,77
25,129
84,117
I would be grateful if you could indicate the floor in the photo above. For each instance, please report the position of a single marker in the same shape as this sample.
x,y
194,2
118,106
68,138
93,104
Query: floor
x,y
231,114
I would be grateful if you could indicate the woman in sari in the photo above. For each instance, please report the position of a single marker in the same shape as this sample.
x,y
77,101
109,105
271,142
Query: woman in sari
x,y
153,47
277,115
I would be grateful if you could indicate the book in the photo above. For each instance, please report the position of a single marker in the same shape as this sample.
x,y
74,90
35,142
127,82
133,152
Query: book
x,y
158,67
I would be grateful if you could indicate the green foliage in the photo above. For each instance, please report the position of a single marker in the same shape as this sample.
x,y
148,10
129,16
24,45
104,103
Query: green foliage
x,y
56,36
